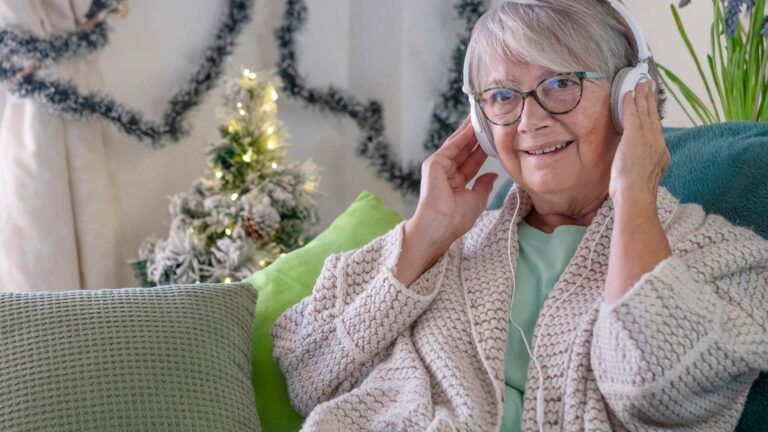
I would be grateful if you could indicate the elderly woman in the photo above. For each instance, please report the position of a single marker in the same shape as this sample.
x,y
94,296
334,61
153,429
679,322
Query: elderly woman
x,y
643,313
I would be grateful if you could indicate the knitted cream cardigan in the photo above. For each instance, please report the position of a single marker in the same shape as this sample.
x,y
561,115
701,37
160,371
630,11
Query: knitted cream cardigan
x,y
677,353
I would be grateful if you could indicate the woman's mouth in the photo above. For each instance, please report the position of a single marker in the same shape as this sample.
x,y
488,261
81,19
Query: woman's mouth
x,y
549,151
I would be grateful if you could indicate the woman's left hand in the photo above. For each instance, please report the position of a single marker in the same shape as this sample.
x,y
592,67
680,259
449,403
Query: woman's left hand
x,y
642,155
638,240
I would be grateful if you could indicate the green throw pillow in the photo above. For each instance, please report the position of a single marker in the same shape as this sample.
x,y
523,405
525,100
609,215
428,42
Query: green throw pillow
x,y
291,278
168,358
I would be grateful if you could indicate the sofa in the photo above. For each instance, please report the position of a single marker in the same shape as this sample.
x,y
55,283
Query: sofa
x,y
199,357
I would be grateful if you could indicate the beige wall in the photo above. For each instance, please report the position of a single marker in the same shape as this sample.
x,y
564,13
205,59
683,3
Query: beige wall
x,y
395,51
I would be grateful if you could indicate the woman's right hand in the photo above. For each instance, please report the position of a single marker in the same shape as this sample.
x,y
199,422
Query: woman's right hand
x,y
446,208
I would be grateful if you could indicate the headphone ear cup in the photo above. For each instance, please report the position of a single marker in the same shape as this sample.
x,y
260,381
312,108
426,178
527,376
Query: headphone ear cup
x,y
482,130
617,96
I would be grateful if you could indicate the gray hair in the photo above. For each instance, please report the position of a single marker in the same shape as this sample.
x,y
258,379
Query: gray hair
x,y
572,35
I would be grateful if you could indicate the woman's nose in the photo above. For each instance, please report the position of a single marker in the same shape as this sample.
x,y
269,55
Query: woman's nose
x,y
533,117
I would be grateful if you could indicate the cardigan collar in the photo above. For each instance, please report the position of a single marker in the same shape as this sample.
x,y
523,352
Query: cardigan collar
x,y
486,260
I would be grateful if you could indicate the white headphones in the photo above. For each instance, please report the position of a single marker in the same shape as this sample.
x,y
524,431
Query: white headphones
x,y
623,82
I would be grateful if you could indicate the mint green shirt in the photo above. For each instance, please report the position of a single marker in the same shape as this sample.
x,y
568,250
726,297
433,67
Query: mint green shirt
x,y
540,263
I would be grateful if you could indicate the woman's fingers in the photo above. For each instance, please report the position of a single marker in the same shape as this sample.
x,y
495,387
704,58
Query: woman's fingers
x,y
466,157
453,146
473,163
465,151
630,119
641,102
460,128
653,108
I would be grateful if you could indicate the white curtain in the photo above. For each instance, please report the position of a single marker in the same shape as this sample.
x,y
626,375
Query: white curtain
x,y
58,220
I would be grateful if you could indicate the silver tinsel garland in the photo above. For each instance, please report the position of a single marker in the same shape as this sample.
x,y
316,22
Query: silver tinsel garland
x,y
63,97
446,117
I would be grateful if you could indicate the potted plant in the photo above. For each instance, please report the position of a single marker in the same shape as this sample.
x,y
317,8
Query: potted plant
x,y
737,64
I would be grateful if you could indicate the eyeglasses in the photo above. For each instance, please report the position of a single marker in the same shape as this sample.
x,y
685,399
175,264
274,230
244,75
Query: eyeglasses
x,y
559,94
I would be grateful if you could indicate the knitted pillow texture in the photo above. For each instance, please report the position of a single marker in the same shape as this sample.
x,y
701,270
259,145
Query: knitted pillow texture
x,y
170,358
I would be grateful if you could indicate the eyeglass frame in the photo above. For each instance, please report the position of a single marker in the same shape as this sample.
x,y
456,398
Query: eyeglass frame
x,y
582,75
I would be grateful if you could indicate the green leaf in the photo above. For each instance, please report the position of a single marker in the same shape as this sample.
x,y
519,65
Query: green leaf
x,y
750,73
675,96
712,62
762,112
756,59
762,85
722,71
748,76
713,70
738,78
719,27
696,103
688,45
730,93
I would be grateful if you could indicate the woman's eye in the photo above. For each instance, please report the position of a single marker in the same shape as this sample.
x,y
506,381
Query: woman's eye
x,y
559,83
501,96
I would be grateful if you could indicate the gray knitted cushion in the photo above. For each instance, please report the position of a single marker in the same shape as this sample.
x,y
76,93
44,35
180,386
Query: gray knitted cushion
x,y
166,358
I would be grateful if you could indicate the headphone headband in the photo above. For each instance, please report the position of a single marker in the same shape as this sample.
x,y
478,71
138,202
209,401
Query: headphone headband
x,y
643,50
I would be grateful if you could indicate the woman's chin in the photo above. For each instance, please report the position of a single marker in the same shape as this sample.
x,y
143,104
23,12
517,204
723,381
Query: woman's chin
x,y
548,186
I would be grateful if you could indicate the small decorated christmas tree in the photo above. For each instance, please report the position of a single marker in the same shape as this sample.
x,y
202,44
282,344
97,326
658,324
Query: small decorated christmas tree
x,y
251,206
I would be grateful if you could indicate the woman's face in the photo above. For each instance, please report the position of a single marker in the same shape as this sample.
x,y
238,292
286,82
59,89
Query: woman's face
x,y
584,165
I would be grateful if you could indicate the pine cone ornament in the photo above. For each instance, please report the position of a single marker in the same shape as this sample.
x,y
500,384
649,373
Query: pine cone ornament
x,y
261,220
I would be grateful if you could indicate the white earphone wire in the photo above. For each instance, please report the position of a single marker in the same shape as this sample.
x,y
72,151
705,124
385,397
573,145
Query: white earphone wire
x,y
539,390
539,394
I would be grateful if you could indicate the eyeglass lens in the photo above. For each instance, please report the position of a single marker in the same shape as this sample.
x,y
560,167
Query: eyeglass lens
x,y
558,95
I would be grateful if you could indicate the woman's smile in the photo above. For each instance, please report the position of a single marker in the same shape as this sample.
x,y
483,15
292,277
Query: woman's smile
x,y
543,155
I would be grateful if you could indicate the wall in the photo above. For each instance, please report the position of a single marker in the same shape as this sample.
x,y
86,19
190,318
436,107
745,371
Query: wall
x,y
395,51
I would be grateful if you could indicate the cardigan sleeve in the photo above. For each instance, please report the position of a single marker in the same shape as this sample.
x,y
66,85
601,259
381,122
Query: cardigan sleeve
x,y
327,343
686,342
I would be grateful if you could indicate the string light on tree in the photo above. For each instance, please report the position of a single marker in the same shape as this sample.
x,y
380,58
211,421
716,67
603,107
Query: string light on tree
x,y
310,186
251,207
